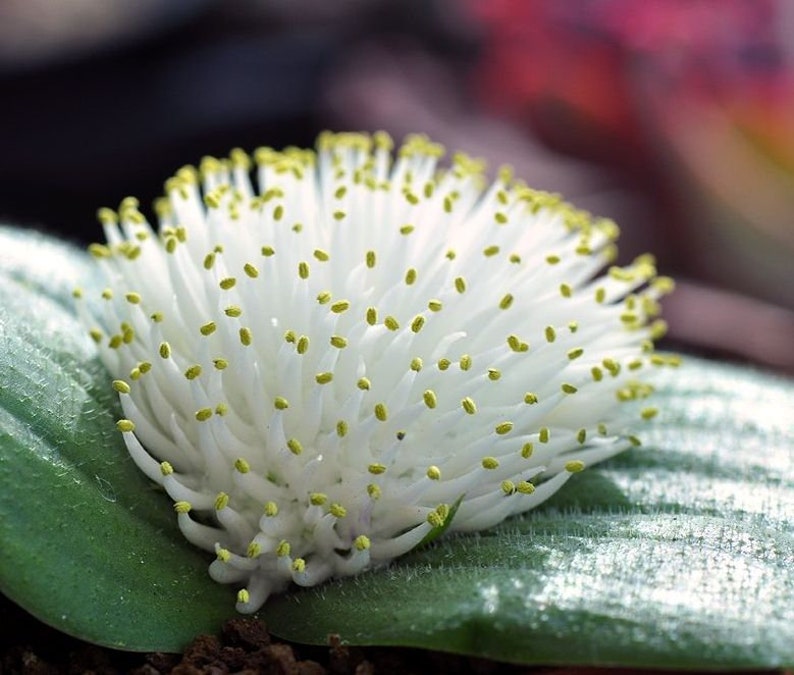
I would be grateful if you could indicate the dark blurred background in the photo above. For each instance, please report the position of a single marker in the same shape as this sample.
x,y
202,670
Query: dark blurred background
x,y
674,117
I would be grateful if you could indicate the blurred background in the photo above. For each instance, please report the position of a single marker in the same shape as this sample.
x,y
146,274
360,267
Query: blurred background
x,y
674,117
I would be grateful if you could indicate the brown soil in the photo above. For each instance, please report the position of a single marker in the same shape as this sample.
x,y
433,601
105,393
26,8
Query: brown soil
x,y
244,647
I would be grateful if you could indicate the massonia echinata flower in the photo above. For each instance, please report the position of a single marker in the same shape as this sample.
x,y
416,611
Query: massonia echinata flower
x,y
368,349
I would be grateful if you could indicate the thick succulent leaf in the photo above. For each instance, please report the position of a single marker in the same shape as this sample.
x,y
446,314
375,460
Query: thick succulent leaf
x,y
678,553
86,544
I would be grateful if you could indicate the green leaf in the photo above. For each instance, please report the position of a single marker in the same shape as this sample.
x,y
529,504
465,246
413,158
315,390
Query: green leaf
x,y
675,554
87,545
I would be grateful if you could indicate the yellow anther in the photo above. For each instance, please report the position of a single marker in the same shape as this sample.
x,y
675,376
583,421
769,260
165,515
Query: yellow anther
x,y
433,473
125,425
361,542
552,259
182,507
544,434
338,341
220,364
280,403
227,283
465,362
391,323
295,446
283,549
525,487
254,550
444,364
241,465
649,413
527,450
568,388
429,398
203,414
494,374
245,337
434,305
469,405
381,412
363,383
516,344
373,491
318,498
435,519
416,364
410,276
575,353
271,509
503,428
302,344
581,436
268,251
323,378
574,466
508,487
460,284
340,306
121,386
250,270
337,510
233,311
372,316
303,270
376,469
221,501
490,463
490,251
321,255
506,301
193,372
566,291
370,259
341,428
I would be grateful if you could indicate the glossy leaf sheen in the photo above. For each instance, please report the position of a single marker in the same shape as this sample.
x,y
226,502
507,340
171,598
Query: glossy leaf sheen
x,y
86,544
678,553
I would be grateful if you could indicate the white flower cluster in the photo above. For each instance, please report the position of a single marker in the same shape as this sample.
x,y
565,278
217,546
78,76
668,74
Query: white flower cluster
x,y
327,370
